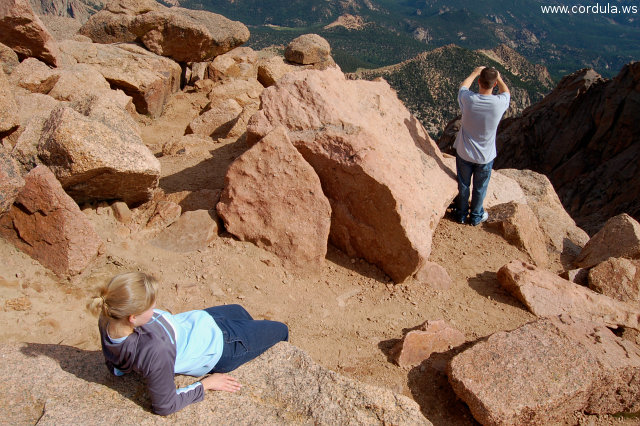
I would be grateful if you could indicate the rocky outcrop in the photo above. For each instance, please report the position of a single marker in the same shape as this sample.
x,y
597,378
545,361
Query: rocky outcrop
x,y
544,371
418,344
182,34
546,294
518,225
241,62
273,198
385,179
11,181
9,120
24,32
619,237
94,162
48,225
283,385
584,137
34,75
618,278
559,228
148,78
308,49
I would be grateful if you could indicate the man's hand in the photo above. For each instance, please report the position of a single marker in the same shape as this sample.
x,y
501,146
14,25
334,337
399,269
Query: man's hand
x,y
478,70
221,382
469,80
502,87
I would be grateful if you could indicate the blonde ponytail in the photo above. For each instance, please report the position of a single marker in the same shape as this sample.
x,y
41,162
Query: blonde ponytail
x,y
126,294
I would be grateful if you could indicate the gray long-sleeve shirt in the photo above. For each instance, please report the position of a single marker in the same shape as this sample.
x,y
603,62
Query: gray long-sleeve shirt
x,y
151,352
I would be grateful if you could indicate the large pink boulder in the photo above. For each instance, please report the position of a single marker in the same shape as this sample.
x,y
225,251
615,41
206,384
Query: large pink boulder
x,y
11,181
618,278
546,294
48,225
148,78
273,198
95,161
384,177
619,237
24,32
545,371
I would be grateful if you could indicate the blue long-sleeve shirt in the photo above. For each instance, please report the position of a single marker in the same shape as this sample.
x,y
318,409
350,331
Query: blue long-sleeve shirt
x,y
188,343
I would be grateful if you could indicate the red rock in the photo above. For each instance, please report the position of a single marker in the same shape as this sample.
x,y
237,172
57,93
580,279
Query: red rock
x,y
241,63
502,189
385,178
121,212
434,276
519,226
24,32
11,181
272,69
148,78
618,278
8,59
546,294
94,162
165,214
48,225
545,371
273,198
9,120
78,81
418,345
619,237
35,76
216,120
308,49
192,231
578,276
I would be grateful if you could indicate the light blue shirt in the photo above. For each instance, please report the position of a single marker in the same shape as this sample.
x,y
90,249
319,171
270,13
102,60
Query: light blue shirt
x,y
199,341
481,114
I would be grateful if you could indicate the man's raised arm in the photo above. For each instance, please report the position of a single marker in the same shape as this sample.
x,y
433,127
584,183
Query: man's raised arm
x,y
502,87
469,80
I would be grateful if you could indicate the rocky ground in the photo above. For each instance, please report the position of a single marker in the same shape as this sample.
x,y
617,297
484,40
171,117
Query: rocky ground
x,y
347,319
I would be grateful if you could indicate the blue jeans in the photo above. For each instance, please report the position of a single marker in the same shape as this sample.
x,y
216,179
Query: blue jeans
x,y
244,337
481,174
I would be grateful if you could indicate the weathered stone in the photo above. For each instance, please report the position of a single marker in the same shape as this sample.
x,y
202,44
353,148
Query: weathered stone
x,y
273,198
192,231
93,162
216,119
11,181
272,69
308,49
77,82
242,122
34,76
198,72
8,59
188,145
385,178
519,226
34,109
121,212
148,78
9,120
578,276
434,276
24,32
109,108
187,35
546,294
618,278
240,63
619,237
132,7
287,386
48,225
544,371
418,345
165,214
565,236
244,92
502,189
107,27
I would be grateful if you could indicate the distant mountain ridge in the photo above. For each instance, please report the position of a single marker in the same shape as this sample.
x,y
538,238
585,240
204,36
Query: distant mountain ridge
x,y
428,84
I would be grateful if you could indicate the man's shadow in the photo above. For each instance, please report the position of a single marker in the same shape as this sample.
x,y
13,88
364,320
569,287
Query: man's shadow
x,y
90,367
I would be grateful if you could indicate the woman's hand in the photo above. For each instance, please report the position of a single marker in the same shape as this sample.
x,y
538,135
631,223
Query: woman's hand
x,y
221,382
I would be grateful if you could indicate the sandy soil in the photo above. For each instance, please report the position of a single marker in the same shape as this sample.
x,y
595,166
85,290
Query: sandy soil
x,y
347,318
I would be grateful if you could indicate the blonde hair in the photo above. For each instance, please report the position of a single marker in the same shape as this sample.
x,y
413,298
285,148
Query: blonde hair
x,y
126,294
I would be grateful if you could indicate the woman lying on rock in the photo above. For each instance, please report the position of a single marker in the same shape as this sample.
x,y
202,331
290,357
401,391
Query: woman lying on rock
x,y
157,345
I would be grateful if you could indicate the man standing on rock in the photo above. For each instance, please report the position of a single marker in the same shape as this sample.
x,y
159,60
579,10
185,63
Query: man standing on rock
x,y
476,141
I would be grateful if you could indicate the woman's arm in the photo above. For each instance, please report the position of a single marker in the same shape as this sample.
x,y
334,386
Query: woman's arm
x,y
221,382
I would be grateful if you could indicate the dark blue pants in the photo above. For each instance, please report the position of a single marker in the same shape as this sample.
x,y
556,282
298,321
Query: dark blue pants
x,y
481,174
244,337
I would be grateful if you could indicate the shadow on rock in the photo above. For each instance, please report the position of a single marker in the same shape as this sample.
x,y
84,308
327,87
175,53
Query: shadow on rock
x,y
90,367
486,284
430,388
